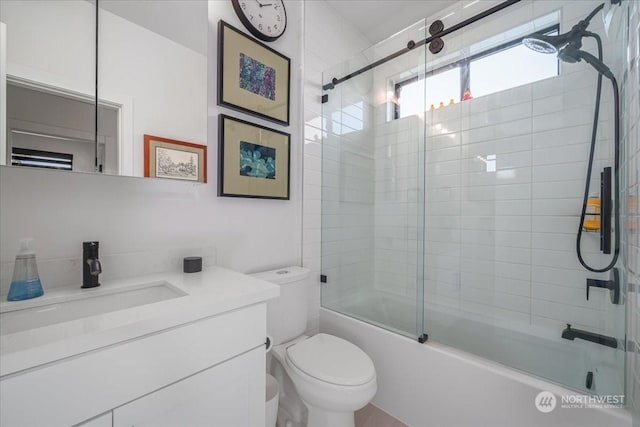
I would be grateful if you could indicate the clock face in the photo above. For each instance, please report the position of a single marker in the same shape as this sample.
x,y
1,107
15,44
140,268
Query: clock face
x,y
265,19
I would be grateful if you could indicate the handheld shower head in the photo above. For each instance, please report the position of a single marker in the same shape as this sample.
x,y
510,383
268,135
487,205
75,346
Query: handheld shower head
x,y
572,54
543,43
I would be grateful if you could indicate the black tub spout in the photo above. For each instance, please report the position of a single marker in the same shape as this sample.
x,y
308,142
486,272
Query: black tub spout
x,y
571,334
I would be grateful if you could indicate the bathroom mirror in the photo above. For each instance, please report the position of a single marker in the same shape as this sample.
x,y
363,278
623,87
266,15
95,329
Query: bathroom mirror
x,y
151,80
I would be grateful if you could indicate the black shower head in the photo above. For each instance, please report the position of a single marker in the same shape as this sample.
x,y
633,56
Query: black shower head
x,y
553,44
545,44
568,45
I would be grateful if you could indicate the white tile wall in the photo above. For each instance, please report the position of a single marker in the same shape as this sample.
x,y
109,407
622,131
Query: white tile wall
x,y
631,196
499,244
328,41
510,234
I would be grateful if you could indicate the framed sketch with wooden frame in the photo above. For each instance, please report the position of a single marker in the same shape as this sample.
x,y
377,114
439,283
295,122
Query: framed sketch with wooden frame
x,y
253,160
252,77
172,159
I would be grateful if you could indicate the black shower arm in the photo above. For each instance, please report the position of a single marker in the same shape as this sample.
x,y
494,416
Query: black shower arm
x,y
588,19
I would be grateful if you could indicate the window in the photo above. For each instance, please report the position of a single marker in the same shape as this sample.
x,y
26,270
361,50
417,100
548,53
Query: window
x,y
514,65
502,67
442,86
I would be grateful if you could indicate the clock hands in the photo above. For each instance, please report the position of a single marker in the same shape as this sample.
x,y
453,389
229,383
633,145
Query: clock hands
x,y
265,4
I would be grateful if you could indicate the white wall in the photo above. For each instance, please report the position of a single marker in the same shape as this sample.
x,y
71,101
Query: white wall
x,y
52,42
328,41
3,93
146,225
160,81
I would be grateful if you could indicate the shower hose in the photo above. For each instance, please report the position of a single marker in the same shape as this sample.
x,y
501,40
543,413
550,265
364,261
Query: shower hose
x,y
616,169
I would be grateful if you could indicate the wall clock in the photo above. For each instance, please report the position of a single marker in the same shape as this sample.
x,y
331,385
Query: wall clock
x,y
265,19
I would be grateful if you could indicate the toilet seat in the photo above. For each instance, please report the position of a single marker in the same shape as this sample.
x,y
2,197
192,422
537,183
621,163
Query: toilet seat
x,y
332,360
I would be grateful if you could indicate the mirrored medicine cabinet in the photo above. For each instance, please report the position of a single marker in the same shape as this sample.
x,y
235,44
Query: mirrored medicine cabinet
x,y
145,60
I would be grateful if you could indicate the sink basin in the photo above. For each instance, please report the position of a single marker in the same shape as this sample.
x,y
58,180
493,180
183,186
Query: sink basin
x,y
85,303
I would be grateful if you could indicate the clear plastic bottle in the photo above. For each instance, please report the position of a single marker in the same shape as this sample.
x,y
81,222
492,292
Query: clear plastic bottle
x,y
26,281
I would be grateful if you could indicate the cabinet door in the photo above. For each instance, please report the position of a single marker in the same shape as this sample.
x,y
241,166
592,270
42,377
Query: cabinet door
x,y
229,394
105,420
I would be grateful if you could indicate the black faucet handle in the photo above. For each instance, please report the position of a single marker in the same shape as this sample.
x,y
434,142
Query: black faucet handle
x,y
92,266
613,285
95,266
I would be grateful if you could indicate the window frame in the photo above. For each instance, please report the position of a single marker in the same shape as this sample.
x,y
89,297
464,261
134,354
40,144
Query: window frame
x,y
465,66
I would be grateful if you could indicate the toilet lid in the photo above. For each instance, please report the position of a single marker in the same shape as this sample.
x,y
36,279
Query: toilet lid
x,y
332,359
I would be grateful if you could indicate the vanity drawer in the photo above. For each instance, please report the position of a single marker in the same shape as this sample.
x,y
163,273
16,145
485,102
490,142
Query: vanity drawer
x,y
228,394
101,380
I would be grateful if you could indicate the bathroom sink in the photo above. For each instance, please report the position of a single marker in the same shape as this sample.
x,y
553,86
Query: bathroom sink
x,y
23,316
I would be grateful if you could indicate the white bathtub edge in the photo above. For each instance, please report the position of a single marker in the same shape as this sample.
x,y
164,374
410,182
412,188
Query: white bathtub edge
x,y
586,417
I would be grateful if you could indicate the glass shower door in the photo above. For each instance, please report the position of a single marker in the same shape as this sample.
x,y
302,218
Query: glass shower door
x,y
452,189
372,191
505,173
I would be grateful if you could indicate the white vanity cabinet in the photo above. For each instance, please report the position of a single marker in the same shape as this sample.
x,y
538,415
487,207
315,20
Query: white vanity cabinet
x,y
228,394
209,372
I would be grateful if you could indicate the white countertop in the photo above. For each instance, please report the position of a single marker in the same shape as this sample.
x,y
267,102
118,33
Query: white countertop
x,y
210,292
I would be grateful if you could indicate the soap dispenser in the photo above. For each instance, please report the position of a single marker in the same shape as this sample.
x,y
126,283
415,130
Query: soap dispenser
x,y
26,281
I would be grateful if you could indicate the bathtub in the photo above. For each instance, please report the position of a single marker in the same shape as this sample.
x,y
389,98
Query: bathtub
x,y
436,385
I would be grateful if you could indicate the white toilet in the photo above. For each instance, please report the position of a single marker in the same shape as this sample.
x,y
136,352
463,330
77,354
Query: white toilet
x,y
323,379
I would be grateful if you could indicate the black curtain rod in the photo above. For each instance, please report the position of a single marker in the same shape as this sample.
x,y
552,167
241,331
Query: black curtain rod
x,y
411,45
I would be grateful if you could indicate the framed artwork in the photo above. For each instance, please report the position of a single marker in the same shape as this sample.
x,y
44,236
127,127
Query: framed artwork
x,y
253,160
168,158
252,77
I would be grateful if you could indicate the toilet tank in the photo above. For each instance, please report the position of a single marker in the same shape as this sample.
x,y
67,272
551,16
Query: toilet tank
x,y
287,314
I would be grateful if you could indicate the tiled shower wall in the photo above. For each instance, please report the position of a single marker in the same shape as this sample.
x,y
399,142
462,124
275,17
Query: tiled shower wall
x,y
631,218
348,198
328,40
501,244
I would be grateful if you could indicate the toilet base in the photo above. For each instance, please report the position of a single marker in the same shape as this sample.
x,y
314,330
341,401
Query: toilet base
x,y
332,405
323,418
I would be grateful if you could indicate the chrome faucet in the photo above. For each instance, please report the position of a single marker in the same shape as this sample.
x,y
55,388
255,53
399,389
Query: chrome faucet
x,y
91,266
